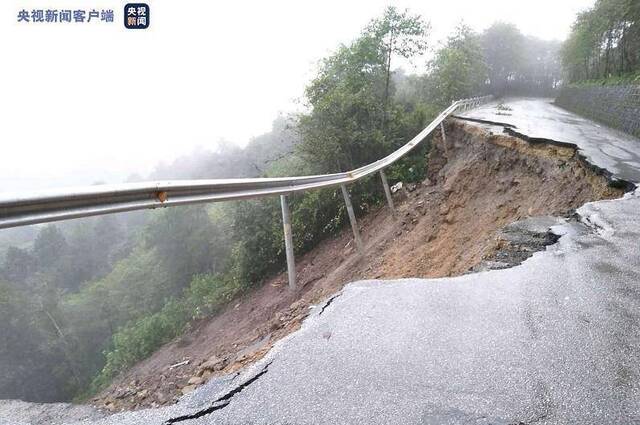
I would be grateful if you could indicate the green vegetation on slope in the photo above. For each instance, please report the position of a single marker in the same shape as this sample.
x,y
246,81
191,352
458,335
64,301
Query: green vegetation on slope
x,y
614,80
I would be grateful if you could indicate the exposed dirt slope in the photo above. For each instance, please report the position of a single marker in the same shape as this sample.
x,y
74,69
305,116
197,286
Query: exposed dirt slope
x,y
478,183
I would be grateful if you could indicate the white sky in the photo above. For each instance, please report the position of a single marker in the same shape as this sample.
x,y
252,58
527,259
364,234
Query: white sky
x,y
81,103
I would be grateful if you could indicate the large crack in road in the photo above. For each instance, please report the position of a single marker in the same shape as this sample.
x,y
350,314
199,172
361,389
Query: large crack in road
x,y
222,401
510,129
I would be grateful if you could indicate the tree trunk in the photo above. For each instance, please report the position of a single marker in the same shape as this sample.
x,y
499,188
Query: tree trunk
x,y
607,54
623,43
388,76
386,87
61,335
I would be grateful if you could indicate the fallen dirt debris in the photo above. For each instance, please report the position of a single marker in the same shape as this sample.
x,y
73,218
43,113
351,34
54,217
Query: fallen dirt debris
x,y
488,202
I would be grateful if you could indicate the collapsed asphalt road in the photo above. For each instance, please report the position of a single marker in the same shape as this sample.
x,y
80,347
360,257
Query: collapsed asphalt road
x,y
540,119
554,340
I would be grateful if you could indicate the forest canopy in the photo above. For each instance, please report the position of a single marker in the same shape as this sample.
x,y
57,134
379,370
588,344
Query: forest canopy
x,y
604,42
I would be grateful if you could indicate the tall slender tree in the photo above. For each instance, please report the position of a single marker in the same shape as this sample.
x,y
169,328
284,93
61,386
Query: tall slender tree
x,y
504,54
351,97
458,69
399,34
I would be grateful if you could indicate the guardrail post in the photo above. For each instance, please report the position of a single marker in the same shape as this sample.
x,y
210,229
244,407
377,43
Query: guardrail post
x,y
387,192
288,241
352,219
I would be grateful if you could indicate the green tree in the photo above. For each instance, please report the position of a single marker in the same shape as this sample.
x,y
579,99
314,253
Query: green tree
x,y
504,54
604,41
352,121
458,69
31,364
49,246
18,265
259,247
541,71
181,238
344,129
399,34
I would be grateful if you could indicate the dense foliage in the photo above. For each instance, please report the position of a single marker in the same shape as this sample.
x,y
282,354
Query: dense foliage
x,y
353,122
459,68
499,61
519,64
604,42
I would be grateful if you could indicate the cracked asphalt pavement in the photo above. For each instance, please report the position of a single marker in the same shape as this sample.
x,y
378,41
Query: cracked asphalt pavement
x,y
603,147
555,340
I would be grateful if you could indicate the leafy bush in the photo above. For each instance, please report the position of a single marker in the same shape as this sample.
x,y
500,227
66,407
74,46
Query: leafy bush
x,y
315,215
138,339
412,168
257,226
209,293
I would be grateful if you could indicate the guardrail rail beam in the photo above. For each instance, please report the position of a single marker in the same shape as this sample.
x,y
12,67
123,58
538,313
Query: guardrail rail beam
x,y
62,204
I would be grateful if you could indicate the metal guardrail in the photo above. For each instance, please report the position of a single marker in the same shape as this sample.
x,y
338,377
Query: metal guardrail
x,y
89,201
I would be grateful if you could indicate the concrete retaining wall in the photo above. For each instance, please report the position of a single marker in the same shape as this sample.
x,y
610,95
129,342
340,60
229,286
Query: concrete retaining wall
x,y
615,106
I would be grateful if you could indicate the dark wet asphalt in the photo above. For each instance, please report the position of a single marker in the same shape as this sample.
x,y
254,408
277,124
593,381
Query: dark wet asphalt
x,y
555,340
